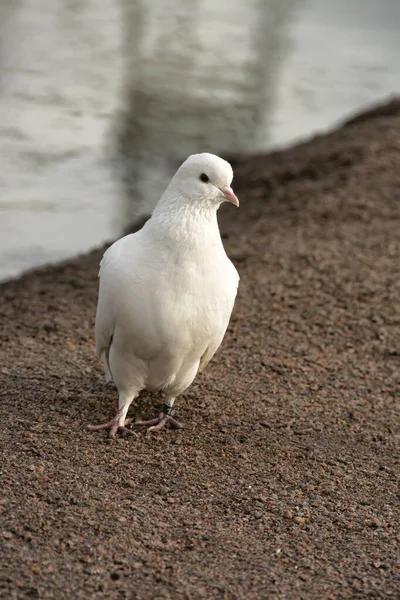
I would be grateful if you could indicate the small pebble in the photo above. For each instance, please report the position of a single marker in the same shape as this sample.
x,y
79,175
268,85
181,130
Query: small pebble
x,y
375,522
377,564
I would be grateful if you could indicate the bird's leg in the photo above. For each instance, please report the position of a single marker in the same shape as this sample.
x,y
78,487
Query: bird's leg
x,y
119,422
164,418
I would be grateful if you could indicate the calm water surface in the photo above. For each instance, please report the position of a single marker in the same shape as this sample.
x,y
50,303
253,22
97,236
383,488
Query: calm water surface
x,y
99,101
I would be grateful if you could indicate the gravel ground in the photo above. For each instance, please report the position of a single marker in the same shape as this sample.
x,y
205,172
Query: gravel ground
x,y
284,481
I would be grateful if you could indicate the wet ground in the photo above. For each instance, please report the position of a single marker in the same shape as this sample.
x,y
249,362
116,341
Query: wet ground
x,y
285,481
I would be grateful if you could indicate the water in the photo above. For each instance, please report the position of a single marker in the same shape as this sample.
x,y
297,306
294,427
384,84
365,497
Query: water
x,y
99,101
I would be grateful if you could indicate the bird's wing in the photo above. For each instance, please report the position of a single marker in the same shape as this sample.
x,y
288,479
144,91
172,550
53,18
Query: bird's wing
x,y
126,294
217,340
105,315
209,353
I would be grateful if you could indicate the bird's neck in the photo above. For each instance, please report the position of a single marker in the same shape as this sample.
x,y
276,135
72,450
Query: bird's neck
x,y
186,224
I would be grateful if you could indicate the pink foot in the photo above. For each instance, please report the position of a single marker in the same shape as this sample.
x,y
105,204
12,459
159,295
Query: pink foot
x,y
114,428
163,419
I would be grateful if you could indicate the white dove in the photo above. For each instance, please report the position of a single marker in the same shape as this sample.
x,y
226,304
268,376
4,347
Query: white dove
x,y
167,292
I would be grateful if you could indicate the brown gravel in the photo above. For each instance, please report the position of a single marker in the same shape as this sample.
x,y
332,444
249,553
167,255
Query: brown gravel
x,y
284,482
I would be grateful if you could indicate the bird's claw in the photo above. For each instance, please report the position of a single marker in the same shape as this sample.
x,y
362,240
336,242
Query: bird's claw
x,y
159,423
115,429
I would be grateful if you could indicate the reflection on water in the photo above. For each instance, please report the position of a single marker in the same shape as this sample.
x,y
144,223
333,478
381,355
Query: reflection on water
x,y
203,79
95,94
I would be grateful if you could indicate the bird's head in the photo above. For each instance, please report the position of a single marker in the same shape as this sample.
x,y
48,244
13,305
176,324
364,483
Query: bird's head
x,y
204,178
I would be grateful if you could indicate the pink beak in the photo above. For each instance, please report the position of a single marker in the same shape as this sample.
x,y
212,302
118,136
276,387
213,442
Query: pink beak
x,y
230,195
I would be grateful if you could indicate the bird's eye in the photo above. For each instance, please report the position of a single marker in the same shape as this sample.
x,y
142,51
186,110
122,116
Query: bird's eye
x,y
204,178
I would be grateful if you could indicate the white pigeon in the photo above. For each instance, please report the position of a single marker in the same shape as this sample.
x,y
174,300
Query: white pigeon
x,y
167,292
